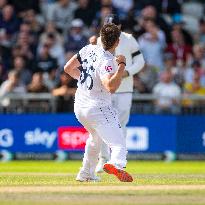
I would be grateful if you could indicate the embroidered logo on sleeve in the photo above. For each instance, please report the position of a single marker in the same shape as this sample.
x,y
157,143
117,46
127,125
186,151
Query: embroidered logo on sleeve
x,y
108,68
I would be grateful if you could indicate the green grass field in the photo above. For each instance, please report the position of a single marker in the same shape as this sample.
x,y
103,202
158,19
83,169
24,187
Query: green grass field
x,y
48,182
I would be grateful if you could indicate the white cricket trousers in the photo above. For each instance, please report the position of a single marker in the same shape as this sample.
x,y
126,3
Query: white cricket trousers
x,y
122,103
103,126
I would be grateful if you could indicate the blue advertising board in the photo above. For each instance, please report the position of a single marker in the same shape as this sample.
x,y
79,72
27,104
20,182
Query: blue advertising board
x,y
191,134
39,133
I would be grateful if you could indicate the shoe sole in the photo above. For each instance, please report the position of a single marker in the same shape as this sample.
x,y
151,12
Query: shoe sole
x,y
122,175
88,180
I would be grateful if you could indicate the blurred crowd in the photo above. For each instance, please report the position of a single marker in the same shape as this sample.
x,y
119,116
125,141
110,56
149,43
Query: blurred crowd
x,y
37,37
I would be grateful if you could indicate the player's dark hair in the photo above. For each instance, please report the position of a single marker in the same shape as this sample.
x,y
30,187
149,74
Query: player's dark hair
x,y
109,33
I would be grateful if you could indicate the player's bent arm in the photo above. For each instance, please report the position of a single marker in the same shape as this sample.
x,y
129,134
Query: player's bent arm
x,y
137,66
137,57
72,66
111,82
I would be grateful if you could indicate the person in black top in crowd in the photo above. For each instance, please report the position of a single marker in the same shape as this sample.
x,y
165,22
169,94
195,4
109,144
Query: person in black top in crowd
x,y
45,62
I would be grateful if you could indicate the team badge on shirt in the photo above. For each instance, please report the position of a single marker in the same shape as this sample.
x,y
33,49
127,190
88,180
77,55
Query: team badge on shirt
x,y
108,68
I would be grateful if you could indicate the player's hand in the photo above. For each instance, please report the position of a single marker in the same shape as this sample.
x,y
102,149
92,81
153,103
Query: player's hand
x,y
120,59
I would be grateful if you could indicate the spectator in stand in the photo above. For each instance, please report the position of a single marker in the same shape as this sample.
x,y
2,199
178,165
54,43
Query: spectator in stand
x,y
122,7
24,74
152,44
86,11
9,23
195,87
65,92
63,14
75,38
198,55
31,18
201,34
11,85
25,52
177,72
51,28
25,44
45,62
37,85
56,48
195,68
105,10
50,79
178,24
150,13
167,95
180,50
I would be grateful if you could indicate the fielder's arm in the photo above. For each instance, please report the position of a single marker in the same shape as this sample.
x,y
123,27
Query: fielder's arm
x,y
72,66
137,58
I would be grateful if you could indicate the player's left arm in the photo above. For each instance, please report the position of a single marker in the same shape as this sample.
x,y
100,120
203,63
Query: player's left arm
x,y
137,57
72,66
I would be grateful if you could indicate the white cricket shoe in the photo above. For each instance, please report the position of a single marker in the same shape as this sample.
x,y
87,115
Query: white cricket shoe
x,y
85,177
99,167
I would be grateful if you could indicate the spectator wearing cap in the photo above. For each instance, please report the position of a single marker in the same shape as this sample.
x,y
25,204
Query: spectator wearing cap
x,y
63,14
152,44
75,39
178,24
167,95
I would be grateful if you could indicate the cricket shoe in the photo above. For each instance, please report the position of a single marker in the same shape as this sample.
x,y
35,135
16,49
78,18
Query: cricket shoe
x,y
99,167
85,177
122,175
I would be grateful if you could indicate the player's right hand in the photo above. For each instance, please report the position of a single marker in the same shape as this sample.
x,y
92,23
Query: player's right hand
x,y
120,59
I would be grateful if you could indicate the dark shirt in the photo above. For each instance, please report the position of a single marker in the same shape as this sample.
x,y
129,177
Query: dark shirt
x,y
11,26
45,64
75,44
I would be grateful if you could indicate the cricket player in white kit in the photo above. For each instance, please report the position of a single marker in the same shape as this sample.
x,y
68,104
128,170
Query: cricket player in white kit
x,y
122,98
98,77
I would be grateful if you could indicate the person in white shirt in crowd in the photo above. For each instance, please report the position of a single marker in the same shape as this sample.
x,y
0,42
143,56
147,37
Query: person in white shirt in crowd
x,y
11,85
152,44
122,99
62,14
56,48
167,95
98,76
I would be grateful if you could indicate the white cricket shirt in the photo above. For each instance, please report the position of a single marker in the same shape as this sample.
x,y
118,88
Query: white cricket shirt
x,y
95,64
